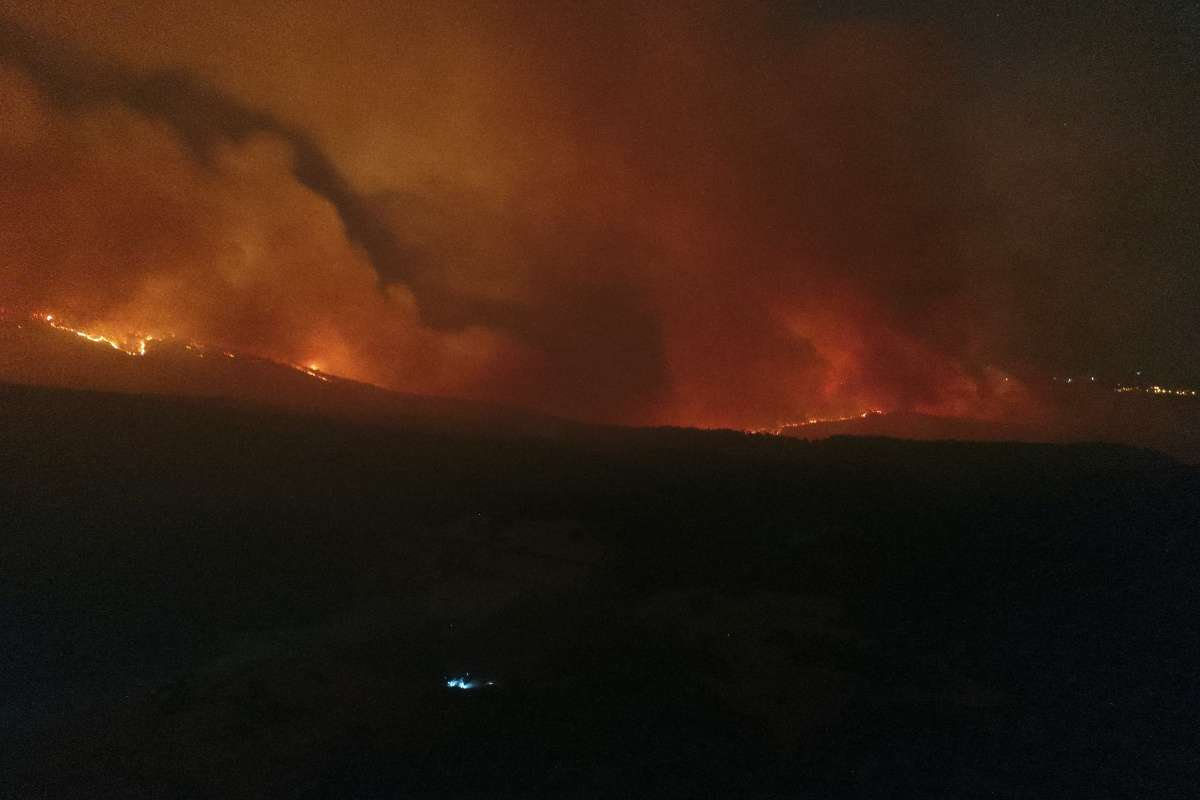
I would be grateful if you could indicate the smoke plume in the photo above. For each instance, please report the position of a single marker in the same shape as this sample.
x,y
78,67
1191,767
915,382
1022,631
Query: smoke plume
x,y
718,216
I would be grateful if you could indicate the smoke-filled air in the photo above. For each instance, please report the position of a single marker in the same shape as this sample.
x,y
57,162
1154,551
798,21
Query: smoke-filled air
x,y
729,215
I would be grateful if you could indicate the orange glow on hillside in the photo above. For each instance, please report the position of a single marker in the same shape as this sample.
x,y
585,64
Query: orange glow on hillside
x,y
138,344
134,345
819,420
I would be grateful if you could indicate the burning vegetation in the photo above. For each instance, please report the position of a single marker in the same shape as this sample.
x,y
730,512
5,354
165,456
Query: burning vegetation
x,y
139,344
133,345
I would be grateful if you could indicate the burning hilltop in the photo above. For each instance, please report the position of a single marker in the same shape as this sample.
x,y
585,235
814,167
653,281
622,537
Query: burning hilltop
x,y
139,344
45,349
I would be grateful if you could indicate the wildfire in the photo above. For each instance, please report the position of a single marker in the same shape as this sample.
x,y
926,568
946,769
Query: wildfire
x,y
311,370
135,345
138,344
820,420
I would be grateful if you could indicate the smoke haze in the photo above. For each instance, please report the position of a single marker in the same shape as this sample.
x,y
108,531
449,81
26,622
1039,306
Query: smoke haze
x,y
724,215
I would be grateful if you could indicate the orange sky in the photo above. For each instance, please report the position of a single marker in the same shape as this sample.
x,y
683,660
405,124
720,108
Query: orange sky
x,y
706,217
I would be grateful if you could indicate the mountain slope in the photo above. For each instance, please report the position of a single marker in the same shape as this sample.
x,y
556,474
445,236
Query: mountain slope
x,y
1167,424
34,353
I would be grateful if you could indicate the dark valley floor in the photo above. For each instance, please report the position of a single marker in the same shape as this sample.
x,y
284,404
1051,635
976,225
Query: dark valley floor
x,y
203,600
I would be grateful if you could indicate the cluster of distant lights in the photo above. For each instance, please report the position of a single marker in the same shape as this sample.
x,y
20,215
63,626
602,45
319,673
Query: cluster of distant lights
x,y
1151,389
1157,390
138,344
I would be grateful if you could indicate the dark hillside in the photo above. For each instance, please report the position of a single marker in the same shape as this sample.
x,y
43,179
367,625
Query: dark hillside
x,y
202,600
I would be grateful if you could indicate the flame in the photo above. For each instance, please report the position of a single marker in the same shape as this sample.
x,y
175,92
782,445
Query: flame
x,y
135,345
819,420
310,370
139,344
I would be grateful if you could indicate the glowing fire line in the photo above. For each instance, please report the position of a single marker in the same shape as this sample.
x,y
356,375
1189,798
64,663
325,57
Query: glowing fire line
x,y
137,345
311,371
818,421
822,420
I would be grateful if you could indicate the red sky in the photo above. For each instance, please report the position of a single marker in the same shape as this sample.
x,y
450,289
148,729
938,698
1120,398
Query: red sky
x,y
734,214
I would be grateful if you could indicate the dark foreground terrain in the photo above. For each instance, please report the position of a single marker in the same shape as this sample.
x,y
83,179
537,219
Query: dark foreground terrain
x,y
206,601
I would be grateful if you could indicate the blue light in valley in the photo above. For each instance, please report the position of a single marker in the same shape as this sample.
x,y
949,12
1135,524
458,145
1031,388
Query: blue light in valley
x,y
465,681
